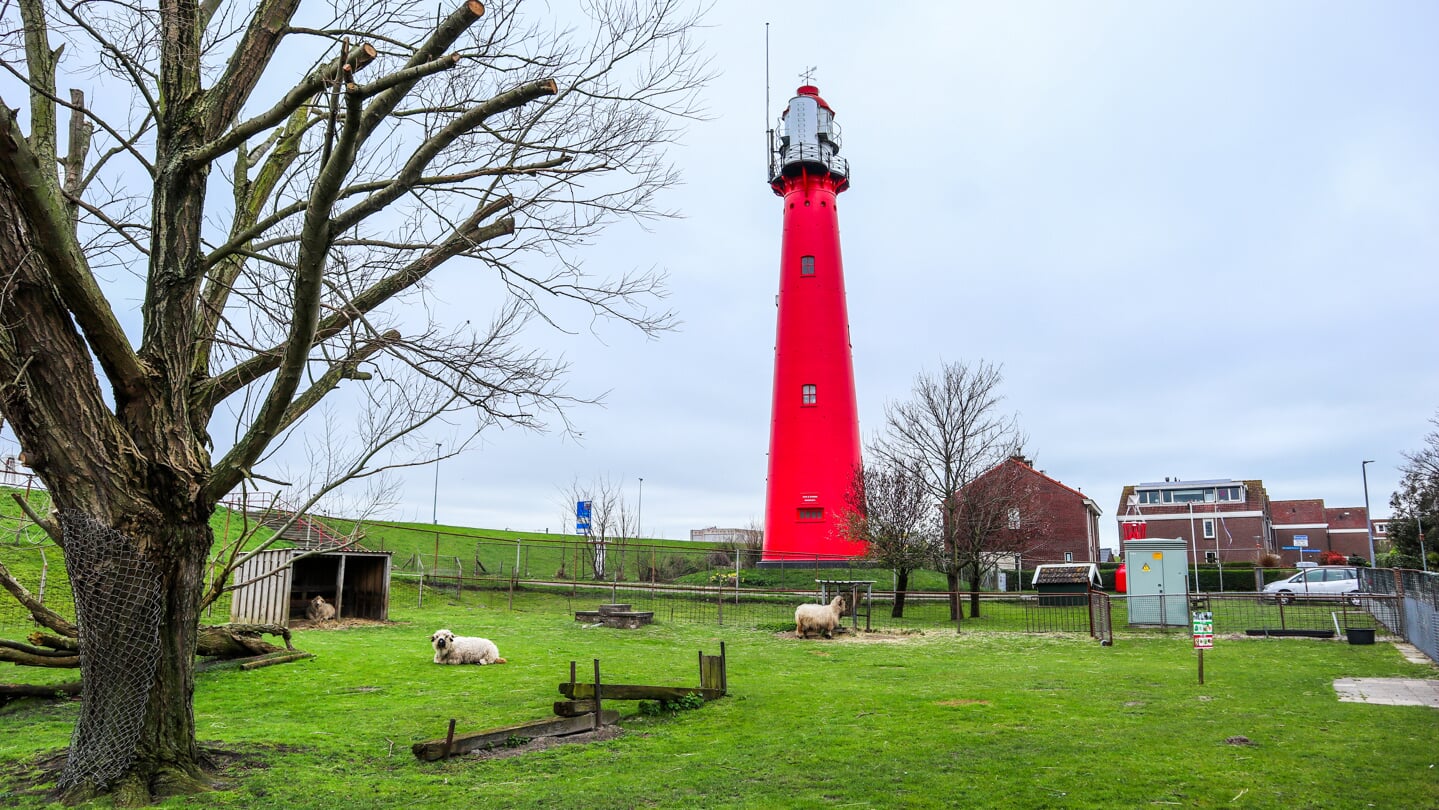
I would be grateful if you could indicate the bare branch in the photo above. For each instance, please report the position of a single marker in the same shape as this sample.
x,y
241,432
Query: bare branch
x,y
247,63
337,70
38,611
438,44
51,529
64,260
462,124
467,235
41,62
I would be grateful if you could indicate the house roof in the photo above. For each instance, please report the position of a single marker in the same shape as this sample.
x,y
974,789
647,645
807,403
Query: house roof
x,y
1026,467
1066,574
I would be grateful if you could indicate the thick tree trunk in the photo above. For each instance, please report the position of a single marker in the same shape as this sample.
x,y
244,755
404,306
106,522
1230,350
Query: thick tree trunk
x,y
901,585
952,578
974,578
137,599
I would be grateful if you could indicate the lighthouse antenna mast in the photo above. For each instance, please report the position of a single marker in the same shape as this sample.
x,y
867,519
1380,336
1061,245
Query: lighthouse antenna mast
x,y
769,130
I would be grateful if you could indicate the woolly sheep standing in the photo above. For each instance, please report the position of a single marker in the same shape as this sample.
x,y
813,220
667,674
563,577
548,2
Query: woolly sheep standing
x,y
453,649
820,618
319,610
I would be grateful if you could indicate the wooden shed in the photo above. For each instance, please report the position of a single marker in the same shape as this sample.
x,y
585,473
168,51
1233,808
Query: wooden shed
x,y
357,583
1065,583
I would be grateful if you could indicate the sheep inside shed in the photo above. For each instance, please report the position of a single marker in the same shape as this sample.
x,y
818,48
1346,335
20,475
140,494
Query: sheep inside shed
x,y
319,610
818,618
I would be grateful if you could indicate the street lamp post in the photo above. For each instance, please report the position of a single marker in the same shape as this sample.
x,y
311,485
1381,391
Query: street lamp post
x,y
1194,546
1368,518
640,510
435,508
1419,524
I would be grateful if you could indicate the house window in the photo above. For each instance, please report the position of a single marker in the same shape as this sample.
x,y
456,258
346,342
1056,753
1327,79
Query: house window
x,y
811,514
808,395
1209,529
1069,556
1211,556
806,265
1014,518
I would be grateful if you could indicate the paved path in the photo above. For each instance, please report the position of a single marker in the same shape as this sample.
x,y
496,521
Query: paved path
x,y
1389,691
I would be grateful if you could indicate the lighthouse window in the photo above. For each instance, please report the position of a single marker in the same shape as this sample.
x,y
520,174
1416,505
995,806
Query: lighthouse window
x,y
806,265
811,514
808,395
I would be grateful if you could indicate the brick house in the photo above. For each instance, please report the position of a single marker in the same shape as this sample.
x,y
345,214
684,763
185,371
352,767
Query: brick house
x,y
1068,520
1221,520
1303,528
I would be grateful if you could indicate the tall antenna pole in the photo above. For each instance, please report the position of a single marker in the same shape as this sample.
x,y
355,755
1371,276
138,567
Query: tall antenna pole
x,y
769,131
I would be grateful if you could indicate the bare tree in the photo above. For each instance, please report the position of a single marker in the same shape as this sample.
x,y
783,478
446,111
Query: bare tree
x,y
610,523
1416,505
1418,491
949,432
748,545
889,508
251,218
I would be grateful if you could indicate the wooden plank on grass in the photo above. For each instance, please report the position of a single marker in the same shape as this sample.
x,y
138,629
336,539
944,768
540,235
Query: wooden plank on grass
x,y
573,708
464,743
631,691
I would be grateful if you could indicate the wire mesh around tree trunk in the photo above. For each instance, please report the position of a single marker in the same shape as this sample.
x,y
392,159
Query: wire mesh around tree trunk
x,y
117,609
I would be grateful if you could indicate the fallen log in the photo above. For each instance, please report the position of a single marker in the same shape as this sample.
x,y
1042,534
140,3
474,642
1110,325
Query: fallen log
x,y
239,640
508,735
15,691
40,639
254,662
24,655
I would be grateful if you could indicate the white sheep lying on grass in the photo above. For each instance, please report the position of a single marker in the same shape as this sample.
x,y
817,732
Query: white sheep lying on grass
x,y
818,618
453,649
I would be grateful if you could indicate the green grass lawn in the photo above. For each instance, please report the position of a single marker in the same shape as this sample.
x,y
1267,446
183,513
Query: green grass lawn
x,y
930,719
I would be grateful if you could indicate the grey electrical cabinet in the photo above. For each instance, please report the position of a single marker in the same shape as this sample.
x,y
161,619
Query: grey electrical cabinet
x,y
1158,578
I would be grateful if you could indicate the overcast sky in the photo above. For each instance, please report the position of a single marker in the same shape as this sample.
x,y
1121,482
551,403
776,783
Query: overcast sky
x,y
1200,238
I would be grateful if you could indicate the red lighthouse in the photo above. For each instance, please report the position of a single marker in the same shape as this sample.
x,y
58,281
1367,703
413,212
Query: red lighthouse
x,y
814,443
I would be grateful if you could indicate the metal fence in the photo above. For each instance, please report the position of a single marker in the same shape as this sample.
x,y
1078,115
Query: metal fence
x,y
1416,617
50,585
1098,615
774,609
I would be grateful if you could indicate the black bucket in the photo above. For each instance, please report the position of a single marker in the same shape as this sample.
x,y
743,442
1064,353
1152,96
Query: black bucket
x,y
1360,635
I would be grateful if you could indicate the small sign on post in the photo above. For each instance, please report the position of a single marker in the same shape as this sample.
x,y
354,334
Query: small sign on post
x,y
1203,623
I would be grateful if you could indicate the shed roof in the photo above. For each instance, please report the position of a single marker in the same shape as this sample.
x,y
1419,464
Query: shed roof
x,y
1066,574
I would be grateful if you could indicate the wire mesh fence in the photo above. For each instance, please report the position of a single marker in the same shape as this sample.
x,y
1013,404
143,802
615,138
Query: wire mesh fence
x,y
39,567
1417,596
1097,614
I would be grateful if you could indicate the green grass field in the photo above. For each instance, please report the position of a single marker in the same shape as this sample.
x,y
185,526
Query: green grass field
x,y
932,719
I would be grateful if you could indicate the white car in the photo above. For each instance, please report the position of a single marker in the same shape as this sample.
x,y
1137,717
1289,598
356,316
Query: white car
x,y
1326,580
